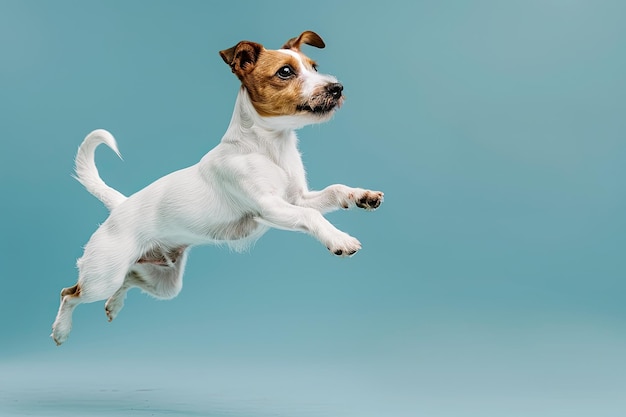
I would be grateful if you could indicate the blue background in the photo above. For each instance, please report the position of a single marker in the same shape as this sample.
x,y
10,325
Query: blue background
x,y
490,283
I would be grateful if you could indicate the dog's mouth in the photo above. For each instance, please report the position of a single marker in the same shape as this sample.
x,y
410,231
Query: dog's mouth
x,y
324,100
320,110
320,106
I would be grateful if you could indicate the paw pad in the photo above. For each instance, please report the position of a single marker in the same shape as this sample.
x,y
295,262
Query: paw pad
x,y
370,200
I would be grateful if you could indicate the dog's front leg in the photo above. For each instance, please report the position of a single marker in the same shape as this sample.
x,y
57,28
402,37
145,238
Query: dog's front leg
x,y
275,212
339,196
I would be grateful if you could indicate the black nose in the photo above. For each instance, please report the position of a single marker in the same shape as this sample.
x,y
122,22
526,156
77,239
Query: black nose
x,y
335,90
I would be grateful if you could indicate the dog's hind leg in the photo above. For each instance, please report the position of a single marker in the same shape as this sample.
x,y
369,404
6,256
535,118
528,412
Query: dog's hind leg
x,y
116,302
102,270
87,290
70,298
162,280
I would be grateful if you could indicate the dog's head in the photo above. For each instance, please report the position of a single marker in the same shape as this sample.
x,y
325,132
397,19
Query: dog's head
x,y
285,82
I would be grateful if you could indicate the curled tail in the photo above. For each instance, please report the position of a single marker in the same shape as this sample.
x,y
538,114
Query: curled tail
x,y
87,173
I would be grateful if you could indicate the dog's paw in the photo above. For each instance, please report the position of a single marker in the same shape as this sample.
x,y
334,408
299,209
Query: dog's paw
x,y
369,200
344,246
59,333
113,307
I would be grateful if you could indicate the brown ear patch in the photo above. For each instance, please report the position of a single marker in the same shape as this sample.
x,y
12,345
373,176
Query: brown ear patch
x,y
242,57
308,37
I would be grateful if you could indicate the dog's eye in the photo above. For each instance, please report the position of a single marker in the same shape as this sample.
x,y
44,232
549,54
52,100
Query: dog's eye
x,y
285,72
315,67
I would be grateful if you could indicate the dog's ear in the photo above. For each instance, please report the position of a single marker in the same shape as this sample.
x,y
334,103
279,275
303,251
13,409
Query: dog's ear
x,y
242,57
308,37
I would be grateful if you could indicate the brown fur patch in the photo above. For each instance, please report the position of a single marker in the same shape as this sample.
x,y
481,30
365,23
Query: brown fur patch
x,y
270,94
308,37
242,57
71,291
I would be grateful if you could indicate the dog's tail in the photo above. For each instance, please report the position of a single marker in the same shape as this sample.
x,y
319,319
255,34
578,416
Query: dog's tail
x,y
87,173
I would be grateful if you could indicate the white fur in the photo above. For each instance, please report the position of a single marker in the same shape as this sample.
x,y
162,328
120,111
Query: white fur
x,y
254,179
310,79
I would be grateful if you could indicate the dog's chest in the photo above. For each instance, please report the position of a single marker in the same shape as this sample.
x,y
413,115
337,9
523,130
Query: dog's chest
x,y
294,178
293,189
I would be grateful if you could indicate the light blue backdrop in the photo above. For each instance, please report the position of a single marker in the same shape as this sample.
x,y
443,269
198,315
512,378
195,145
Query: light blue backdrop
x,y
491,282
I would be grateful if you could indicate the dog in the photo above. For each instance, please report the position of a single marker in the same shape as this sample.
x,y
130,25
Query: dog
x,y
252,180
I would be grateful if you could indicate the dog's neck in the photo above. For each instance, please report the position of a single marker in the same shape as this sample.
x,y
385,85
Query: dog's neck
x,y
270,135
245,116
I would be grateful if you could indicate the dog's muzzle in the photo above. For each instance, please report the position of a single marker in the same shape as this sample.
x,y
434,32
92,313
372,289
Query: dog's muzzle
x,y
325,101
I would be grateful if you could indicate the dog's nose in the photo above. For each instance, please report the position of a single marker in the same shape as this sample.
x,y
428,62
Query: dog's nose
x,y
335,90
